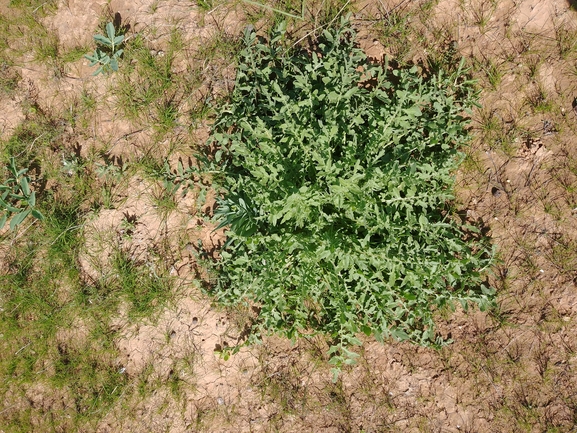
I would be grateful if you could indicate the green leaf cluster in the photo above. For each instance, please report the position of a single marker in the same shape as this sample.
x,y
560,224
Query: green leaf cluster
x,y
107,56
17,200
337,178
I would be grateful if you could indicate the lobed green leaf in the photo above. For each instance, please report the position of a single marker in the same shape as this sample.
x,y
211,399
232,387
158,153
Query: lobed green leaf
x,y
337,195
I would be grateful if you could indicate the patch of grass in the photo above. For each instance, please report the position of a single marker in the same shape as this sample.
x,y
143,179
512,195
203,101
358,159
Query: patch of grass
x,y
564,171
148,89
27,34
394,31
494,74
73,54
533,63
200,111
163,197
327,12
404,30
38,301
22,33
88,100
220,46
481,12
283,384
538,100
166,117
55,325
205,5
32,136
492,69
44,299
94,375
47,47
144,286
495,132
170,184
34,5
81,111
9,78
111,175
563,257
566,39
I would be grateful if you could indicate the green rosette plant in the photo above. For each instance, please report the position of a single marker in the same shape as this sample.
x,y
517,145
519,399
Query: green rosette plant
x,y
109,52
337,185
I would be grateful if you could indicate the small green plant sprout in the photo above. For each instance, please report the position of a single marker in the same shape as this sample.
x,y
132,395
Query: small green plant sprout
x,y
17,200
107,56
183,176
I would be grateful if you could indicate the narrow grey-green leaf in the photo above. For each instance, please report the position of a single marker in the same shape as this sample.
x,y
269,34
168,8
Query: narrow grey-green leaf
x,y
103,40
110,31
18,218
24,186
32,199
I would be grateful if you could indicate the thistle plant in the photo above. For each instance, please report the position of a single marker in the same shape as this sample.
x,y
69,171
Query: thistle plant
x,y
17,200
107,56
337,179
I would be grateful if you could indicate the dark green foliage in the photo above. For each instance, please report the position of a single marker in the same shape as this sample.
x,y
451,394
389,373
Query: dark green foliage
x,y
338,177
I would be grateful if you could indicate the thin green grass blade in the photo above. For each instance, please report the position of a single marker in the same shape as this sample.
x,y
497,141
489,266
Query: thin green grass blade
x,y
288,14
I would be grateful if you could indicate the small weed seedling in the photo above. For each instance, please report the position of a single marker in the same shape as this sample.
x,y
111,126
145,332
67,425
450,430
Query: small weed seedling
x,y
17,200
110,176
107,57
183,177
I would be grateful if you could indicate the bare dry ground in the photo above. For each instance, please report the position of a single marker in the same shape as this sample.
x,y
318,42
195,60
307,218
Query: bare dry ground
x,y
509,372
